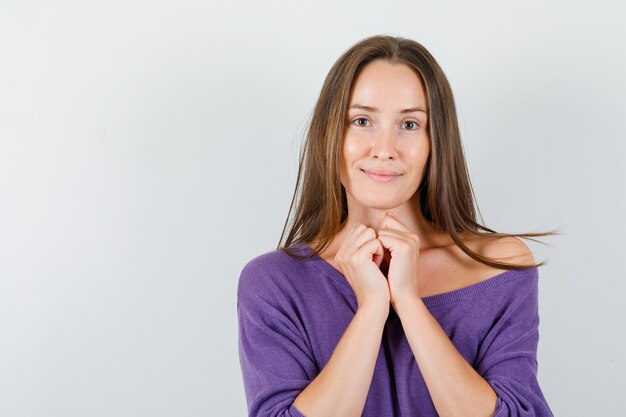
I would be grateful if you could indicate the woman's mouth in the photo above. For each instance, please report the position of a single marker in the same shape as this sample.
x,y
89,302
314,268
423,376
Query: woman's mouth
x,y
381,176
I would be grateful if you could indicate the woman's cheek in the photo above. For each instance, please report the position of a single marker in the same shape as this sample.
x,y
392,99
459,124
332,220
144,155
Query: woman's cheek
x,y
350,147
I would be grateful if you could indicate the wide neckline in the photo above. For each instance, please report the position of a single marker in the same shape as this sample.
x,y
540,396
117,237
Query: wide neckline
x,y
435,299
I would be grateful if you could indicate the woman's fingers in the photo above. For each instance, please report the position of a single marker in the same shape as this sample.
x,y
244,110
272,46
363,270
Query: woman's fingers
x,y
379,253
363,235
357,258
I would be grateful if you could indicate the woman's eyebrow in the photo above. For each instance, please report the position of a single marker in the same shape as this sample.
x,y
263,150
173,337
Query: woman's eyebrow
x,y
375,110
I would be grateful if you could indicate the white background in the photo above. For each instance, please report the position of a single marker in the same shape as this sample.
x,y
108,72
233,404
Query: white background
x,y
148,150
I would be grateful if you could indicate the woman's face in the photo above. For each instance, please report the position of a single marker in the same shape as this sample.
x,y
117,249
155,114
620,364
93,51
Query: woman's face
x,y
386,133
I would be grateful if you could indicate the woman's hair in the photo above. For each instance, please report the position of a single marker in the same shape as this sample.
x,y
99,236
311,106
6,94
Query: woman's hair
x,y
445,193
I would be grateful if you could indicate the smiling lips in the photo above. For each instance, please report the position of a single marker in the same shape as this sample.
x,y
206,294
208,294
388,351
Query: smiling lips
x,y
380,175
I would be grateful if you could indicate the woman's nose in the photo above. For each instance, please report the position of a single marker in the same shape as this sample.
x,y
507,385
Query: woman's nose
x,y
384,146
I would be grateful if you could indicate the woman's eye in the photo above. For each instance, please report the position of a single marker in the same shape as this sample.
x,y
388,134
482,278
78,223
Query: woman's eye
x,y
412,125
359,120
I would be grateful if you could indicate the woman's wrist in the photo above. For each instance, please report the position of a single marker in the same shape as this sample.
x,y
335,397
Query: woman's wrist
x,y
375,310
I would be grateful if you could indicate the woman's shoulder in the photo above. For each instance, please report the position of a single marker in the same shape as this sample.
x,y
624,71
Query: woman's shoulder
x,y
509,249
451,278
450,268
276,259
273,268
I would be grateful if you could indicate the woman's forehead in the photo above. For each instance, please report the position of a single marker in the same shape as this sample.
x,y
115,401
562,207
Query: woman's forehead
x,y
386,86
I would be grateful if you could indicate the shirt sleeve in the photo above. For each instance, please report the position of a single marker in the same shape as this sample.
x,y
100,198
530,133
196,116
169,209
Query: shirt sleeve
x,y
507,357
276,363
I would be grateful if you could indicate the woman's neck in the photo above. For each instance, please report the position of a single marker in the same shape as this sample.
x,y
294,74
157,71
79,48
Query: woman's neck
x,y
408,213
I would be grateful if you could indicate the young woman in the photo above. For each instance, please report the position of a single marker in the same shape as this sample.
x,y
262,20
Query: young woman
x,y
387,297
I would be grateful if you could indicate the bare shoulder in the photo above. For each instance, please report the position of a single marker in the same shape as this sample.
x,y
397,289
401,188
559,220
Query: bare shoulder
x,y
509,249
449,268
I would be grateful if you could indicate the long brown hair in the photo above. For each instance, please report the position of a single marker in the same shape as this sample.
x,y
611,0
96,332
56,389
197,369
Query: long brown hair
x,y
446,194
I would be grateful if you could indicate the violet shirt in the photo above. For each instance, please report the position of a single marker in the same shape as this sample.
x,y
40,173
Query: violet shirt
x,y
291,315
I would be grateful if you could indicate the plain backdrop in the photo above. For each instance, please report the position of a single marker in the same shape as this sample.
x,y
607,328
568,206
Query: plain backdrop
x,y
148,150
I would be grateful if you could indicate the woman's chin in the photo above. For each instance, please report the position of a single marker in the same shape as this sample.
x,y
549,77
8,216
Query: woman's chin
x,y
382,204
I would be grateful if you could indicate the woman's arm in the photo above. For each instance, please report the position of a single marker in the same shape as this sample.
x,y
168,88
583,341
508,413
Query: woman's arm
x,y
454,386
341,387
504,382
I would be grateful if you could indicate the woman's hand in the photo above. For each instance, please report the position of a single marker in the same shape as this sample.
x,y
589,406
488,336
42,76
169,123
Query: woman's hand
x,y
359,257
403,245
